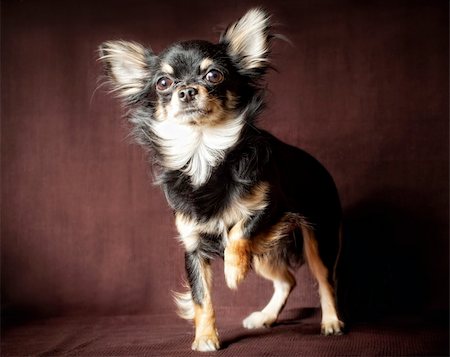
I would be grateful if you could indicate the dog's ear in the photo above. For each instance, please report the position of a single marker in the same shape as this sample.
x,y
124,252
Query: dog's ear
x,y
248,40
127,66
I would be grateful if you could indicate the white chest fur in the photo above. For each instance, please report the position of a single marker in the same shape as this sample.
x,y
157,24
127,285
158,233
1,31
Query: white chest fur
x,y
195,149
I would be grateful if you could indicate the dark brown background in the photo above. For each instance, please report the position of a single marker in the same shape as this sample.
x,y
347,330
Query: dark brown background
x,y
363,87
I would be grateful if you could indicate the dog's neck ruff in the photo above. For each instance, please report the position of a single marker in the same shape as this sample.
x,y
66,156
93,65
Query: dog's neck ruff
x,y
194,149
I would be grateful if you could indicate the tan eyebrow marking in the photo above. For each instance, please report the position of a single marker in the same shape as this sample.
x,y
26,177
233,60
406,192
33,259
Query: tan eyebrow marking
x,y
165,67
206,63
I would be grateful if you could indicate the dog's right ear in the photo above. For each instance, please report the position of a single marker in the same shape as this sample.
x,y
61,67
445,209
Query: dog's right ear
x,y
248,41
127,65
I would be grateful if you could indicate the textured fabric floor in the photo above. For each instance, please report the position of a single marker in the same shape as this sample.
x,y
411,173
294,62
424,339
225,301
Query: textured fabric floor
x,y
165,335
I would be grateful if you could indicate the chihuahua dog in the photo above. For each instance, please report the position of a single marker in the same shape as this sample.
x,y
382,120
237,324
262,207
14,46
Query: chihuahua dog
x,y
236,191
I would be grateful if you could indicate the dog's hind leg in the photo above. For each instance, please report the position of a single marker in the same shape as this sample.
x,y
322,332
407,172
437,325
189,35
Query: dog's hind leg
x,y
283,283
331,325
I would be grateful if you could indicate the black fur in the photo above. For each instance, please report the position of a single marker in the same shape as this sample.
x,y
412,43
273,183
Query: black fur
x,y
299,187
299,184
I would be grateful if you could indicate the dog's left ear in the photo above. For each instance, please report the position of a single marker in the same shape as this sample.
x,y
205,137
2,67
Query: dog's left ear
x,y
127,66
248,40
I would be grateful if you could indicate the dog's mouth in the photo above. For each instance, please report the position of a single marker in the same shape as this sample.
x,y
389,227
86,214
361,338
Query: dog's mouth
x,y
192,114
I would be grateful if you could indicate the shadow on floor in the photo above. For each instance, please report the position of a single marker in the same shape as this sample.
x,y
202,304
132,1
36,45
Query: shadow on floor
x,y
385,262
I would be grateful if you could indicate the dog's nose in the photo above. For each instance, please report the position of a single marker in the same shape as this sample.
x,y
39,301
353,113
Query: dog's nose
x,y
187,94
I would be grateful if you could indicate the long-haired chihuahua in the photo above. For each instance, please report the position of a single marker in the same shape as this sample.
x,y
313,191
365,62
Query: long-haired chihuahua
x,y
236,191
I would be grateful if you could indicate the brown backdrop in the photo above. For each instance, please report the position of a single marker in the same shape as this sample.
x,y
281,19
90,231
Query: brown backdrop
x,y
363,87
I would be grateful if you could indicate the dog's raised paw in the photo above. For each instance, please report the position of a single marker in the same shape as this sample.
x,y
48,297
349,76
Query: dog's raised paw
x,y
236,262
234,274
206,343
258,319
332,327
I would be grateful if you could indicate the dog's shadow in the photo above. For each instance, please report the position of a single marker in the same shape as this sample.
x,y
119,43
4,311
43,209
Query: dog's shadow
x,y
384,265
302,321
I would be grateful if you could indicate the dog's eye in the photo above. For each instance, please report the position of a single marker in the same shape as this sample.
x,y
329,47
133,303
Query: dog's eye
x,y
164,83
214,76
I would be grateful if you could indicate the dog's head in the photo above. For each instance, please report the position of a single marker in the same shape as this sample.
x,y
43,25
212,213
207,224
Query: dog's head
x,y
193,82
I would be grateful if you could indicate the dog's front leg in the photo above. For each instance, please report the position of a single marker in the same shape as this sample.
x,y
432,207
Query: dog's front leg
x,y
199,276
237,255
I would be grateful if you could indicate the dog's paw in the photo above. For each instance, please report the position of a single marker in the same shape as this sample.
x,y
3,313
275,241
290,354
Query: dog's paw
x,y
206,343
258,319
236,262
234,274
332,327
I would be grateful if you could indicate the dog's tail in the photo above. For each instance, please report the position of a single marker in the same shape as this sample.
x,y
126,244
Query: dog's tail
x,y
185,304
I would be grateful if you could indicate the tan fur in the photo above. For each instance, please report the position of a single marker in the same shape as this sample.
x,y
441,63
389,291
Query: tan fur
x,y
232,101
269,269
167,68
206,63
267,240
245,206
283,283
214,113
237,256
330,321
239,211
240,249
206,336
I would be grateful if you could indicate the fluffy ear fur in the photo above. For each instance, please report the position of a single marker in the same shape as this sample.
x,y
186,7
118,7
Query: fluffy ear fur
x,y
127,66
248,40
